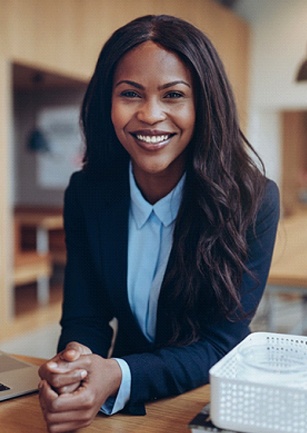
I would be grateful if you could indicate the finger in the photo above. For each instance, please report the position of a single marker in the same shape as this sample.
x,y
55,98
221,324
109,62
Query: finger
x,y
77,401
43,369
53,405
60,362
73,351
64,423
57,419
68,389
71,378
64,366
62,374
60,365
47,396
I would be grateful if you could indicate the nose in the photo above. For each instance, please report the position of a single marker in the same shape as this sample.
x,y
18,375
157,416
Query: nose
x,y
151,111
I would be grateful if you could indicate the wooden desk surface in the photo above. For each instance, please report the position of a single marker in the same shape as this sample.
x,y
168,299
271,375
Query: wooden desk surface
x,y
289,264
23,415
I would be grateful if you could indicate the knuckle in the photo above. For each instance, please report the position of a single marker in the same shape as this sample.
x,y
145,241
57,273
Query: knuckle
x,y
87,405
87,361
88,401
87,418
49,419
87,422
52,428
56,381
51,409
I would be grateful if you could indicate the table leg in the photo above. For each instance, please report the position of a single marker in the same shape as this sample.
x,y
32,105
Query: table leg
x,y
42,241
43,290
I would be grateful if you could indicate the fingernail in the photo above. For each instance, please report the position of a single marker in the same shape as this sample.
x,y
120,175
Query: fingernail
x,y
52,364
83,374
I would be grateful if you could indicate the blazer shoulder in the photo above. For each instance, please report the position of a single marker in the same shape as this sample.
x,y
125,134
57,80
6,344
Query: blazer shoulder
x,y
269,210
271,193
104,188
78,178
271,200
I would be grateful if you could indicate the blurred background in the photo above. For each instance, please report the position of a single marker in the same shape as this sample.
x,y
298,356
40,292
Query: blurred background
x,y
48,50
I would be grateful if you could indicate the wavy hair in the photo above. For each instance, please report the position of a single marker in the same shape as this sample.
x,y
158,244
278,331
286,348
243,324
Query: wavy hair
x,y
224,185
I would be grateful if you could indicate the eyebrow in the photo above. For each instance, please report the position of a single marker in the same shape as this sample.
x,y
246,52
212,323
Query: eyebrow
x,y
164,86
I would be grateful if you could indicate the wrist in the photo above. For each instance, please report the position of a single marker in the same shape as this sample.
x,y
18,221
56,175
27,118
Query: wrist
x,y
116,375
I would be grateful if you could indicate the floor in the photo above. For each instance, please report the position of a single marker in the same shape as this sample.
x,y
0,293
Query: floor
x,y
40,339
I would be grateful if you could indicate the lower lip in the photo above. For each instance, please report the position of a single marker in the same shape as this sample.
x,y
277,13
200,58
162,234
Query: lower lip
x,y
152,146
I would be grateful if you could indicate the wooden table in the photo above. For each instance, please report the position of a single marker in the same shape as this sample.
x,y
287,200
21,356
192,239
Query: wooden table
x,y
288,273
23,415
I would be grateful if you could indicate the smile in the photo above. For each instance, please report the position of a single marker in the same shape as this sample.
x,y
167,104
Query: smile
x,y
153,139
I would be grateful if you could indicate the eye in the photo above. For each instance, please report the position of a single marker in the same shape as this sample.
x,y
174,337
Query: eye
x,y
129,94
174,95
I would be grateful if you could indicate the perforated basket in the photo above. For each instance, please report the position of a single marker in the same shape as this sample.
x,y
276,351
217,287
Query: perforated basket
x,y
261,385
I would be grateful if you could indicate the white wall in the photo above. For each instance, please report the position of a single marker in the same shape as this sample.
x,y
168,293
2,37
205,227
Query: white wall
x,y
278,45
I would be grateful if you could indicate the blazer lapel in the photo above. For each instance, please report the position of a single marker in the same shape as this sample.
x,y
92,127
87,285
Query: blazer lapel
x,y
113,217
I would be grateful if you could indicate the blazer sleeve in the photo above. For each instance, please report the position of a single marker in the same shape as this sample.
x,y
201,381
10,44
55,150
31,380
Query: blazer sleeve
x,y
174,370
86,312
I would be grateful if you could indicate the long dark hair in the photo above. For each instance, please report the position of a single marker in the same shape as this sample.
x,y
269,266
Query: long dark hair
x,y
224,186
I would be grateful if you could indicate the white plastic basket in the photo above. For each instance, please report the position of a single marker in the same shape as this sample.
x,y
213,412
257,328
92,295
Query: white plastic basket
x,y
261,385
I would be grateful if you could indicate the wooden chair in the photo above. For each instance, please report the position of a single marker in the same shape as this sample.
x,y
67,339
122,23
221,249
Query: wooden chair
x,y
30,267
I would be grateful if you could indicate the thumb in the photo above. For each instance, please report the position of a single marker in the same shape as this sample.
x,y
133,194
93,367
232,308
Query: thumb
x,y
74,350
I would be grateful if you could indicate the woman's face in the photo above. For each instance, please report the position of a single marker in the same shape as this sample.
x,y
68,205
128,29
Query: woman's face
x,y
153,111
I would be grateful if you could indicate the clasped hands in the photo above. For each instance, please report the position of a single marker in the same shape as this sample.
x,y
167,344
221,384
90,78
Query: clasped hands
x,y
74,385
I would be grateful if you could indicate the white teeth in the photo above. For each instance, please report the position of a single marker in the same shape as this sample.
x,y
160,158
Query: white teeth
x,y
152,138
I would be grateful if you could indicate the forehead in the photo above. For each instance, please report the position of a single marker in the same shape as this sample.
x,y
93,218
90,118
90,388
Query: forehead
x,y
151,61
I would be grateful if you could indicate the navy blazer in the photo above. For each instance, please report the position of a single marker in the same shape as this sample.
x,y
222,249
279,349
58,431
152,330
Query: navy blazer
x,y
95,291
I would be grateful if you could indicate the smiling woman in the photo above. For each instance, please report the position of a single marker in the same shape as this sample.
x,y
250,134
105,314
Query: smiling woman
x,y
153,114
170,227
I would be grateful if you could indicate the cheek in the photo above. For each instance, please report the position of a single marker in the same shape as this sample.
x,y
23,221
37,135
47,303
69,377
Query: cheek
x,y
187,120
115,116
185,112
119,115
119,121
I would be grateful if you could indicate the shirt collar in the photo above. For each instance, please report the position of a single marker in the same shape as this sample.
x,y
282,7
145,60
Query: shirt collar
x,y
165,209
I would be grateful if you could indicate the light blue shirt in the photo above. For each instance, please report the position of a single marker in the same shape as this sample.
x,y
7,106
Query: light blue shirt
x,y
149,244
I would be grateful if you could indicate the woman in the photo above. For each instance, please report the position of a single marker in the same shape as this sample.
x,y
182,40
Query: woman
x,y
170,228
